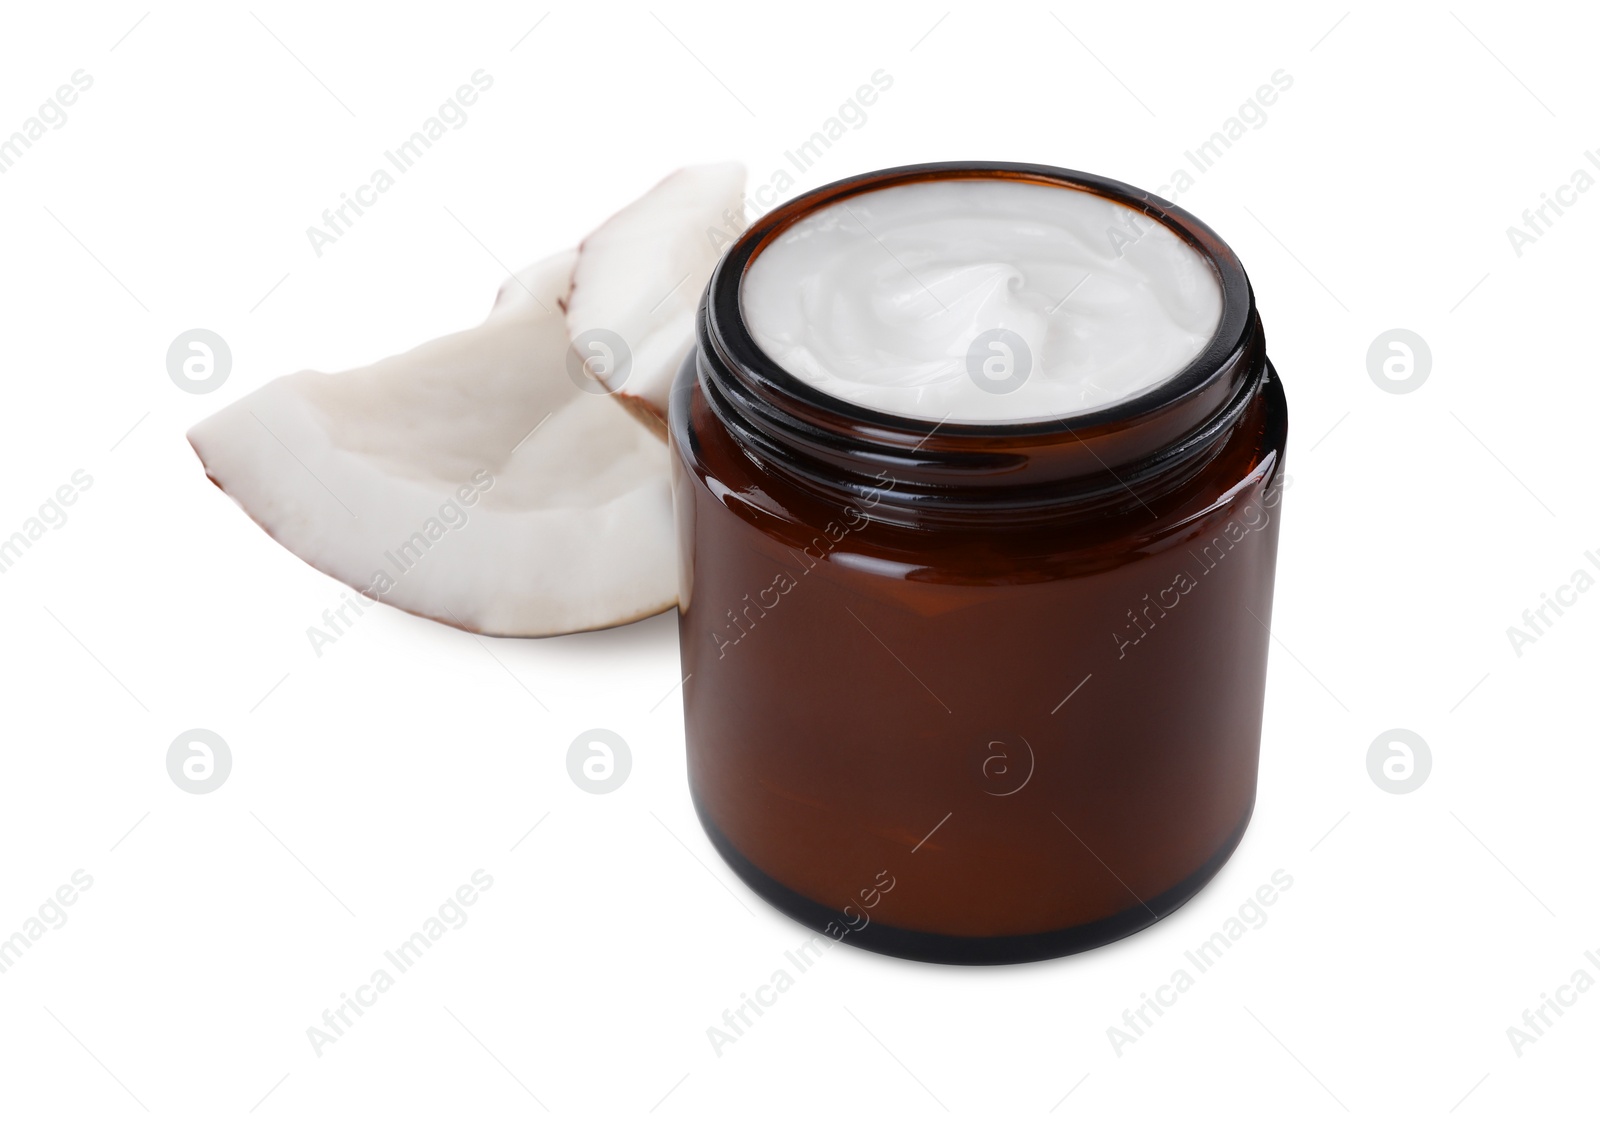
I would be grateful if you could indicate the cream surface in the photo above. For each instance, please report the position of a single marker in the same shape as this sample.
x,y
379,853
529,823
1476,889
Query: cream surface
x,y
981,301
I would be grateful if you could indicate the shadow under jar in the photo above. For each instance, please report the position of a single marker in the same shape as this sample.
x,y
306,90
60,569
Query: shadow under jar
x,y
976,692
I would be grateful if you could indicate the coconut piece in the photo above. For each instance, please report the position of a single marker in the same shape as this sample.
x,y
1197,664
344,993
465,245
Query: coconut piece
x,y
639,278
472,480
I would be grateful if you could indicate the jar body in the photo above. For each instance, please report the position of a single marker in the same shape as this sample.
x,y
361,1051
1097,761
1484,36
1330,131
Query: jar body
x,y
1041,738
975,693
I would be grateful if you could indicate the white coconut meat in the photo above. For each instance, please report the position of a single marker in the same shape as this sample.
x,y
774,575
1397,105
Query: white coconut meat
x,y
639,279
473,479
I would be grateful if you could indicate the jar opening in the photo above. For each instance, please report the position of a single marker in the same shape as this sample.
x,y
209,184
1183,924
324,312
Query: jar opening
x,y
986,300
924,465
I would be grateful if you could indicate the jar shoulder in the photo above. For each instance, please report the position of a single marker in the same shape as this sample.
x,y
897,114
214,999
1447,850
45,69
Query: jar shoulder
x,y
1245,481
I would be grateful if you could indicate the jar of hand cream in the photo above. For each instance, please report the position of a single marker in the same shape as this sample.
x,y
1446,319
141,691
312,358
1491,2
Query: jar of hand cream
x,y
976,470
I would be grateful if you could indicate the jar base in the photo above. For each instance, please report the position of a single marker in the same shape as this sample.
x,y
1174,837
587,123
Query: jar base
x,y
952,949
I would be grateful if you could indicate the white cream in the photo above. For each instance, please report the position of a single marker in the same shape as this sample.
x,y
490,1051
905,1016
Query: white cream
x,y
878,300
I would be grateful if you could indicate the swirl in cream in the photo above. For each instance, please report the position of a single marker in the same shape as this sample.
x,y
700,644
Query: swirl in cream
x,y
892,299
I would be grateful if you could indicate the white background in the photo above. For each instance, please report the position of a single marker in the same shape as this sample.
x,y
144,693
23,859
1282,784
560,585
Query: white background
x,y
369,781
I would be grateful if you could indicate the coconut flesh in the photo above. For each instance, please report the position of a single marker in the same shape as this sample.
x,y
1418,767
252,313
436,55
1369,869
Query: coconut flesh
x,y
492,479
649,299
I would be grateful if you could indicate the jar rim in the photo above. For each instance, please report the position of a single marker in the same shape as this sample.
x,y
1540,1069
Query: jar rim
x,y
1237,303
832,442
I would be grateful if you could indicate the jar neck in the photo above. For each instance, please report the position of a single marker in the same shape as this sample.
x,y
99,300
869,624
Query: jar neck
x,y
916,471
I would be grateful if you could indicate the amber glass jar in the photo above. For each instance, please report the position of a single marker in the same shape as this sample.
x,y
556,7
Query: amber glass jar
x,y
975,693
